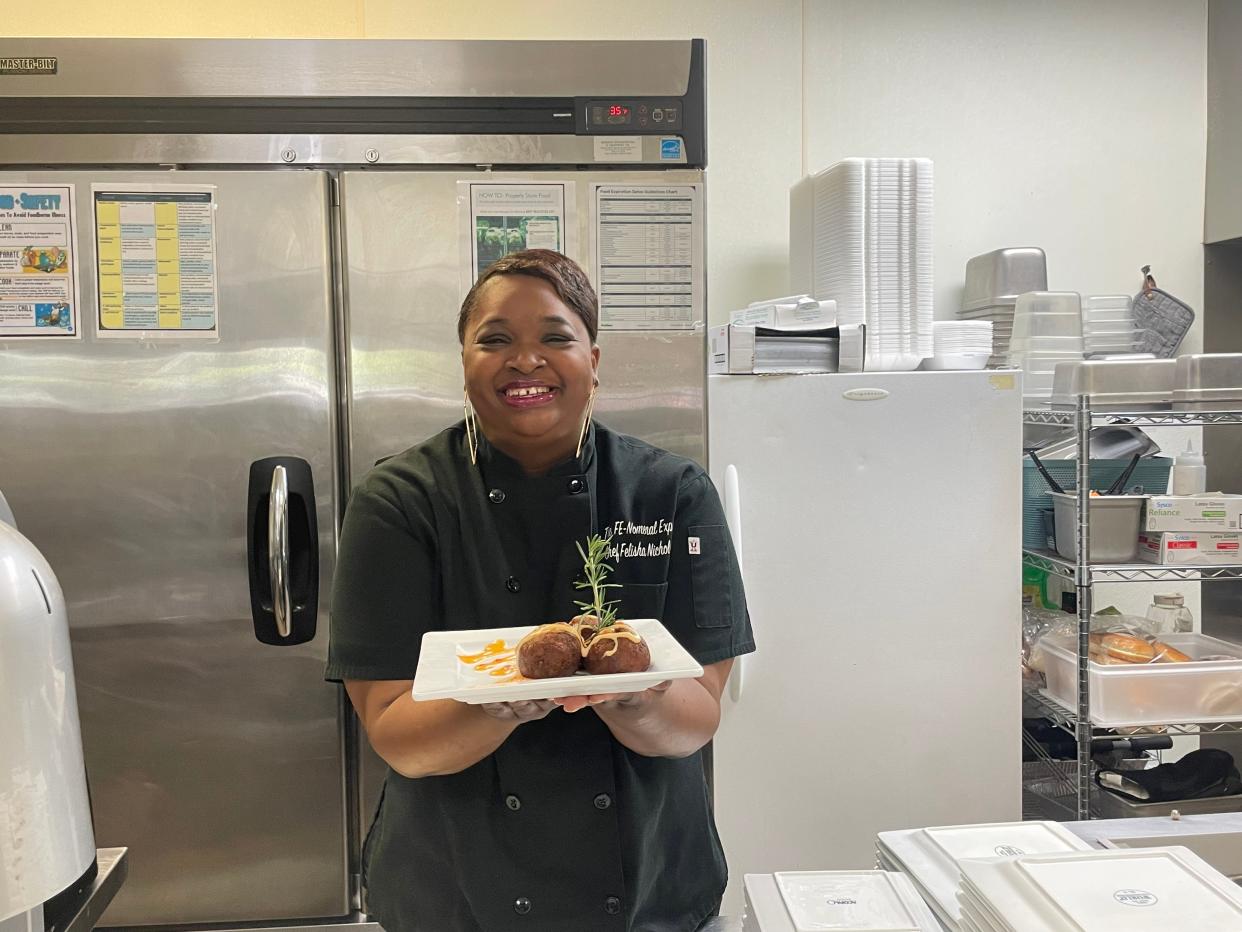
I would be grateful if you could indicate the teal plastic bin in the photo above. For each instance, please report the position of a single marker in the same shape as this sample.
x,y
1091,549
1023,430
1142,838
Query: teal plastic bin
x,y
1150,477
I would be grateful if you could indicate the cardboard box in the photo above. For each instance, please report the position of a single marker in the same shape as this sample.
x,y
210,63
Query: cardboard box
x,y
807,313
1173,549
731,348
1188,514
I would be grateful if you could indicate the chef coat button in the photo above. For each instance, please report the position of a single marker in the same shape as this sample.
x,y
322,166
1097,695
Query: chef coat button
x,y
513,802
612,905
513,585
603,801
521,906
576,486
496,496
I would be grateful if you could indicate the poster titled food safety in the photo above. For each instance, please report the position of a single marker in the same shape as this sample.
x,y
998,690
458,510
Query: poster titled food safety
x,y
647,251
38,259
498,219
156,261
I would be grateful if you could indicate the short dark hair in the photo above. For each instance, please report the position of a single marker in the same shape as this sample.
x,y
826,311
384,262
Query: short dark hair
x,y
565,276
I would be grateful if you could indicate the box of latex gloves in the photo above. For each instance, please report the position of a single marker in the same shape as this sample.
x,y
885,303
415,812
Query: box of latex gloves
x,y
1171,549
741,349
1187,514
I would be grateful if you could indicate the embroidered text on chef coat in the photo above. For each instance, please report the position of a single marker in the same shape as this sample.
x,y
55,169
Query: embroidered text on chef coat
x,y
629,539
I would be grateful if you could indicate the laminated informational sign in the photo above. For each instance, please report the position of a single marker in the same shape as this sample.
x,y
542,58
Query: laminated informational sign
x,y
647,252
501,218
155,248
38,263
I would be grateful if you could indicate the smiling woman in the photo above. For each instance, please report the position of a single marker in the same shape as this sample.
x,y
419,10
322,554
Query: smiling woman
x,y
588,812
528,329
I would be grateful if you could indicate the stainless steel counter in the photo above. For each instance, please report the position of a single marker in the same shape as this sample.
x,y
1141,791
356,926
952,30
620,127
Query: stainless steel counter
x,y
92,901
1097,830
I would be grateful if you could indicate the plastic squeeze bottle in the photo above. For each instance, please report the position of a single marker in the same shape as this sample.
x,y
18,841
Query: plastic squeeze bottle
x,y
1189,472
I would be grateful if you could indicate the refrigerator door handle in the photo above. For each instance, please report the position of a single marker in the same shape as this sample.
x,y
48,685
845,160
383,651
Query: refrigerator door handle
x,y
282,539
733,517
278,550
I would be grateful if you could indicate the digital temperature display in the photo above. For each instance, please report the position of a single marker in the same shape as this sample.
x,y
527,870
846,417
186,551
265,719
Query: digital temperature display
x,y
627,116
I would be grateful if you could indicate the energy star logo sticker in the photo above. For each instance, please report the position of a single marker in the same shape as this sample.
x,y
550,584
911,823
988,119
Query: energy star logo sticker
x,y
670,149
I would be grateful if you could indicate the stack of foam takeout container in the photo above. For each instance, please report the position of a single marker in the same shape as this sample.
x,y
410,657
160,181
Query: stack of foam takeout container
x,y
960,344
872,236
1152,889
930,856
993,282
810,901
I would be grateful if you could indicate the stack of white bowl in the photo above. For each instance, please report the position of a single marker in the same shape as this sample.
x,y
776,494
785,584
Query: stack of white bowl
x,y
1097,891
993,282
930,856
1047,329
960,344
1108,326
872,245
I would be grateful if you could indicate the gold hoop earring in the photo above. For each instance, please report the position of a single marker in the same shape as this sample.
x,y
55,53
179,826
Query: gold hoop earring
x,y
472,429
586,423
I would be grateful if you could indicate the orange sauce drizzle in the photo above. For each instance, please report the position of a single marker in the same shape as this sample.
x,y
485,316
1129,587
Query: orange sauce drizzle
x,y
491,650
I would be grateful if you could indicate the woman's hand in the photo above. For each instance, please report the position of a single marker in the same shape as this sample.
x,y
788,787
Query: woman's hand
x,y
670,720
526,710
614,700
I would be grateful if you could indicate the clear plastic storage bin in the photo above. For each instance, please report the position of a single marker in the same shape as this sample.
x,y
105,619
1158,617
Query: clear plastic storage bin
x,y
1152,693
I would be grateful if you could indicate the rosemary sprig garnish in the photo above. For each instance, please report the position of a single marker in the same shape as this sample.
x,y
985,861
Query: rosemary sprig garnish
x,y
596,570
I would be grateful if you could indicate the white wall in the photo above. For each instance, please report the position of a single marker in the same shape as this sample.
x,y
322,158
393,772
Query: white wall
x,y
1076,126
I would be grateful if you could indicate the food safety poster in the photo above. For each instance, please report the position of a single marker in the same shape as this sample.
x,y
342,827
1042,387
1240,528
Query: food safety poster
x,y
647,252
155,252
498,219
38,262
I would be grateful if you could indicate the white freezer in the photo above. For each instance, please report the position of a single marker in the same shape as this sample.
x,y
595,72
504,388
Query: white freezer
x,y
877,517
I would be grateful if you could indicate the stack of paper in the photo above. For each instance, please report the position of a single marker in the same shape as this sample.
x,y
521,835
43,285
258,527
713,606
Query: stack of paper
x,y
790,353
1150,890
930,856
869,222
740,349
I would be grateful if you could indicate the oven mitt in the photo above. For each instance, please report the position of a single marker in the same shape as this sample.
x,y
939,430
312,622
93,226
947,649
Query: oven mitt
x,y
1201,774
1163,320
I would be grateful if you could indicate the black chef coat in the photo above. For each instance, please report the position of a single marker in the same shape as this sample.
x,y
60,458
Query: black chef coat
x,y
563,828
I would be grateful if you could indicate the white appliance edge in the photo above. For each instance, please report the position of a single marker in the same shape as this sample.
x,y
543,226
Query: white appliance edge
x,y
877,516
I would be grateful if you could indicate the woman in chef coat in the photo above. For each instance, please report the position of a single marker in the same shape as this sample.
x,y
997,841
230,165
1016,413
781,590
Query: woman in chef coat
x,y
572,815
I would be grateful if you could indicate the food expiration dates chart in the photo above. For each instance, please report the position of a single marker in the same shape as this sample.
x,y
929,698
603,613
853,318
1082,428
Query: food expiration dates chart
x,y
648,256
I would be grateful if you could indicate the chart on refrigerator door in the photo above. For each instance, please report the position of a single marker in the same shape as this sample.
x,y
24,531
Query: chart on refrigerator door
x,y
647,249
38,256
156,261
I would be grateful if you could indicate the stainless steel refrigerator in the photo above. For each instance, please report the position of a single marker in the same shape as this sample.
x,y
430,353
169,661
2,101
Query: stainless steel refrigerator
x,y
187,487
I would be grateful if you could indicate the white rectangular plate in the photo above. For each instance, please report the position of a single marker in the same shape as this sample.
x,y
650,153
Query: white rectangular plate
x,y
441,675
819,901
1155,893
